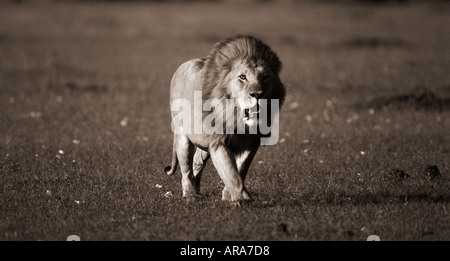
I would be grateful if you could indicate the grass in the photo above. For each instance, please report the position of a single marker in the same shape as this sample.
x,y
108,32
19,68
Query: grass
x,y
85,130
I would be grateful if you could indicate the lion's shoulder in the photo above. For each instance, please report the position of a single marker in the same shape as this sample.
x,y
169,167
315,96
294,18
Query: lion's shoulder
x,y
191,66
187,79
189,71
198,63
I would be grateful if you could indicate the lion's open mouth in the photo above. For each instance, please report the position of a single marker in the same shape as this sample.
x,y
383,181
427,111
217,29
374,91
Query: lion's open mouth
x,y
251,112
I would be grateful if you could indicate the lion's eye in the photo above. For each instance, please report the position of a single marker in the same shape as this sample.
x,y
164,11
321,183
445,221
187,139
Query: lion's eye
x,y
242,77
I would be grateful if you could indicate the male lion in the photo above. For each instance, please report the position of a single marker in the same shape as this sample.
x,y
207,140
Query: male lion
x,y
241,69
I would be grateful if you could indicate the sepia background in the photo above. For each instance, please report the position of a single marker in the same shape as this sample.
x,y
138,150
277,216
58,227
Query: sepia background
x,y
85,132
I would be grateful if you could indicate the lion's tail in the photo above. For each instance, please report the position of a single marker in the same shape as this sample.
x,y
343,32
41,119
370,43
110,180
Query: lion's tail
x,y
170,170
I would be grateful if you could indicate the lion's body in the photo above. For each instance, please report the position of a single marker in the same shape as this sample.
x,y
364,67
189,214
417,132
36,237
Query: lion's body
x,y
216,77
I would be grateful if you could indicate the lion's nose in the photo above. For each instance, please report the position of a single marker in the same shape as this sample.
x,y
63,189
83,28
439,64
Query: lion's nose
x,y
257,95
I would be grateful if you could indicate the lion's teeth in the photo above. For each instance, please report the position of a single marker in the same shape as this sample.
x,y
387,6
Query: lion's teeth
x,y
249,113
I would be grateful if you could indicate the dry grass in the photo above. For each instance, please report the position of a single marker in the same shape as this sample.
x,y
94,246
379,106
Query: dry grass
x,y
85,129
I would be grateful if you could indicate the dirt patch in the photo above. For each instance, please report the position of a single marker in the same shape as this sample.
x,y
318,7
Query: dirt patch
x,y
86,88
373,43
432,172
420,99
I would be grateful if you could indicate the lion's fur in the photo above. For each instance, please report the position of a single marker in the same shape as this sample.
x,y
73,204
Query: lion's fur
x,y
218,64
231,153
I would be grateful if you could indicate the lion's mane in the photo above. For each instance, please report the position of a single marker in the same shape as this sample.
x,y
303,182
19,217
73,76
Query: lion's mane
x,y
218,64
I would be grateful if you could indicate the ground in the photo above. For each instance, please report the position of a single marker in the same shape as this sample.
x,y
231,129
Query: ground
x,y
85,132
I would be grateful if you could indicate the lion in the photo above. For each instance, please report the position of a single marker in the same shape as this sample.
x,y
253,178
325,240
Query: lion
x,y
241,69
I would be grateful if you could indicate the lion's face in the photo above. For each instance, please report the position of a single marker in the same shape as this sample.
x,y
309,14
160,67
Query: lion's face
x,y
249,82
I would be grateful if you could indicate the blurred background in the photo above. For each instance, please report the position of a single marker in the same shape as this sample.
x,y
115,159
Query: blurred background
x,y
119,56
85,120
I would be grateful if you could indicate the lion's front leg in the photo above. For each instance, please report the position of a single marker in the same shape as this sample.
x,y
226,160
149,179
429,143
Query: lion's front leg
x,y
225,164
244,160
185,154
200,159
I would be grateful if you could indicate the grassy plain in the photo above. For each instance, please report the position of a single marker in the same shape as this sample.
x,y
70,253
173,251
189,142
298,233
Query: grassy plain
x,y
85,123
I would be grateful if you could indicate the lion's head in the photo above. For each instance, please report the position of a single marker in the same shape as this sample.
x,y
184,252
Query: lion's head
x,y
245,70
